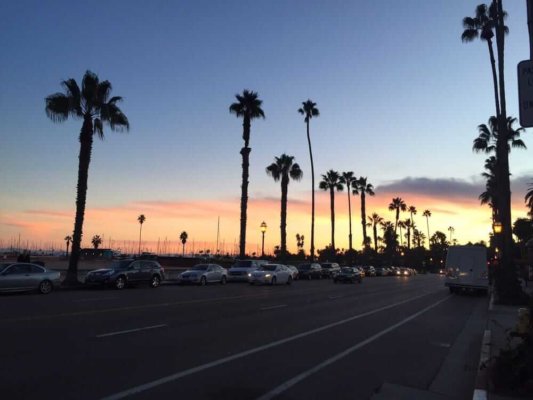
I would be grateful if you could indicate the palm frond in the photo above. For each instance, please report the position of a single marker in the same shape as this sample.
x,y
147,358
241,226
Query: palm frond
x,y
57,107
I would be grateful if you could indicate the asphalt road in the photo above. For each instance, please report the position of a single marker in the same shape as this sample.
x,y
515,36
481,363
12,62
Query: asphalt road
x,y
310,340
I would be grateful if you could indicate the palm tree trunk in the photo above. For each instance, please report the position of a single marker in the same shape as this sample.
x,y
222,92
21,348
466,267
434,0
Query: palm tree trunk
x,y
349,217
375,238
140,235
312,255
427,222
409,238
494,78
86,144
396,225
332,204
283,224
245,152
183,249
363,215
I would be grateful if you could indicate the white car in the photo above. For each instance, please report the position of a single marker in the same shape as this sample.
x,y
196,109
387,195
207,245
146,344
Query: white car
x,y
271,274
202,274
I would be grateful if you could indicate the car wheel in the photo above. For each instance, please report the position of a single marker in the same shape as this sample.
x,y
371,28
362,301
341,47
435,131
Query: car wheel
x,y
45,287
452,289
289,281
203,281
120,283
223,280
273,281
155,282
309,277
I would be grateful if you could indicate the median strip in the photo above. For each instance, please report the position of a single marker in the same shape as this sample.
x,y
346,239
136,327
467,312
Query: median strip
x,y
131,330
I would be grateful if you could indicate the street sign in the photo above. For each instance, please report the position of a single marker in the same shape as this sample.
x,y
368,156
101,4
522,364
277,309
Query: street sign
x,y
525,93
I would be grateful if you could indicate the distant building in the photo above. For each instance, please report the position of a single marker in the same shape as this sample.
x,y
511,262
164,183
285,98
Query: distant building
x,y
96,253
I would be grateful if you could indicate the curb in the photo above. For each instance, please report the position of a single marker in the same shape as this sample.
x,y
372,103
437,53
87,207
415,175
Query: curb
x,y
481,388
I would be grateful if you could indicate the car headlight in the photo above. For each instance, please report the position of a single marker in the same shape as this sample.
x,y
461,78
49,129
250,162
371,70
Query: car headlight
x,y
249,275
268,275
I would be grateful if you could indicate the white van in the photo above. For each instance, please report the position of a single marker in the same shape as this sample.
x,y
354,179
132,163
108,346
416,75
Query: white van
x,y
466,268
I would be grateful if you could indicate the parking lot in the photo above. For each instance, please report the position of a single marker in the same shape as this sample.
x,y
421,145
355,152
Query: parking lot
x,y
312,339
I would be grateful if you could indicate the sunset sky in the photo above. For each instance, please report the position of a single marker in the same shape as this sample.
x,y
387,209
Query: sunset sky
x,y
400,98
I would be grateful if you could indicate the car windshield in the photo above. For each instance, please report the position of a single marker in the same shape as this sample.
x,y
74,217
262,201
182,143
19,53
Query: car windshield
x,y
120,264
268,268
4,266
242,264
304,266
327,266
200,267
347,270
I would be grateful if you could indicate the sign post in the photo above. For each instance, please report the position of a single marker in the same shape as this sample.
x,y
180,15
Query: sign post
x,y
525,93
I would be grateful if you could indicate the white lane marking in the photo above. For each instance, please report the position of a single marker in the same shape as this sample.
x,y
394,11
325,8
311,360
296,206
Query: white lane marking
x,y
291,382
130,331
95,299
273,307
200,368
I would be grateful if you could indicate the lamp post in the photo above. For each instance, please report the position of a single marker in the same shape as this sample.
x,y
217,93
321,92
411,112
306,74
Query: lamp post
x,y
263,230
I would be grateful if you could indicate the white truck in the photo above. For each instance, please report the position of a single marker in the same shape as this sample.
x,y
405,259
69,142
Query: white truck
x,y
466,269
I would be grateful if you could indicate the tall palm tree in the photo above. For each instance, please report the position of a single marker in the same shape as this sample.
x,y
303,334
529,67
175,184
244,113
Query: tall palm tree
x,y
489,196
412,210
482,25
418,238
68,240
348,179
488,136
92,104
408,225
247,107
183,238
427,214
374,221
141,218
401,225
284,169
529,199
96,241
331,181
451,229
362,187
309,110
397,205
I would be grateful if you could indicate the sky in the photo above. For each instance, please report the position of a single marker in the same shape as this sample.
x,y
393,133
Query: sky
x,y
400,98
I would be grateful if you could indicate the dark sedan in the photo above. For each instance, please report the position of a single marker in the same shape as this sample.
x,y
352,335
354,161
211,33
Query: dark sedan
x,y
310,271
18,277
122,273
348,274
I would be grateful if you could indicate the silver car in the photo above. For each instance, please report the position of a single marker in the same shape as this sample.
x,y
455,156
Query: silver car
x,y
202,274
18,277
271,274
239,271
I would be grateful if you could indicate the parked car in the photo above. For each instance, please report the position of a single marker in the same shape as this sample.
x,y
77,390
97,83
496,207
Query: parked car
x,y
127,272
271,274
329,270
202,274
295,273
19,277
369,270
310,271
405,272
348,274
381,271
239,271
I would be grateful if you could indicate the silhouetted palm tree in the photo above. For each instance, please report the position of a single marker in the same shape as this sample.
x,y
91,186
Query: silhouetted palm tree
x,y
489,196
348,179
331,181
488,136
375,220
408,225
247,107
68,240
451,229
93,104
427,214
96,241
529,200
309,110
183,237
362,188
397,205
284,169
418,238
141,218
412,210
401,225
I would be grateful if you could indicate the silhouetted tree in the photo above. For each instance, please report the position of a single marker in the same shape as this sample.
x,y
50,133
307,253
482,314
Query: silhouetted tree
x,y
247,107
397,205
141,218
348,179
427,214
362,188
92,104
331,181
488,136
183,238
375,220
284,169
96,241
529,200
68,240
309,110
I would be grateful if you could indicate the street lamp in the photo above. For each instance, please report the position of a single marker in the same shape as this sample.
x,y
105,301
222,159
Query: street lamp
x,y
497,227
263,230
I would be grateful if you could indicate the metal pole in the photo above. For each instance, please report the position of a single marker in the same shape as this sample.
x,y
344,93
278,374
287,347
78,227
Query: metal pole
x,y
530,26
263,245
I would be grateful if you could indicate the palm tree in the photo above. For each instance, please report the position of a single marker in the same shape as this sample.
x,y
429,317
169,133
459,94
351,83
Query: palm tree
x,y
348,179
309,110
489,196
68,240
529,199
418,238
451,229
93,104
183,237
284,169
412,210
408,225
488,136
141,218
331,181
427,214
247,107
482,26
397,205
361,187
96,241
401,225
374,221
